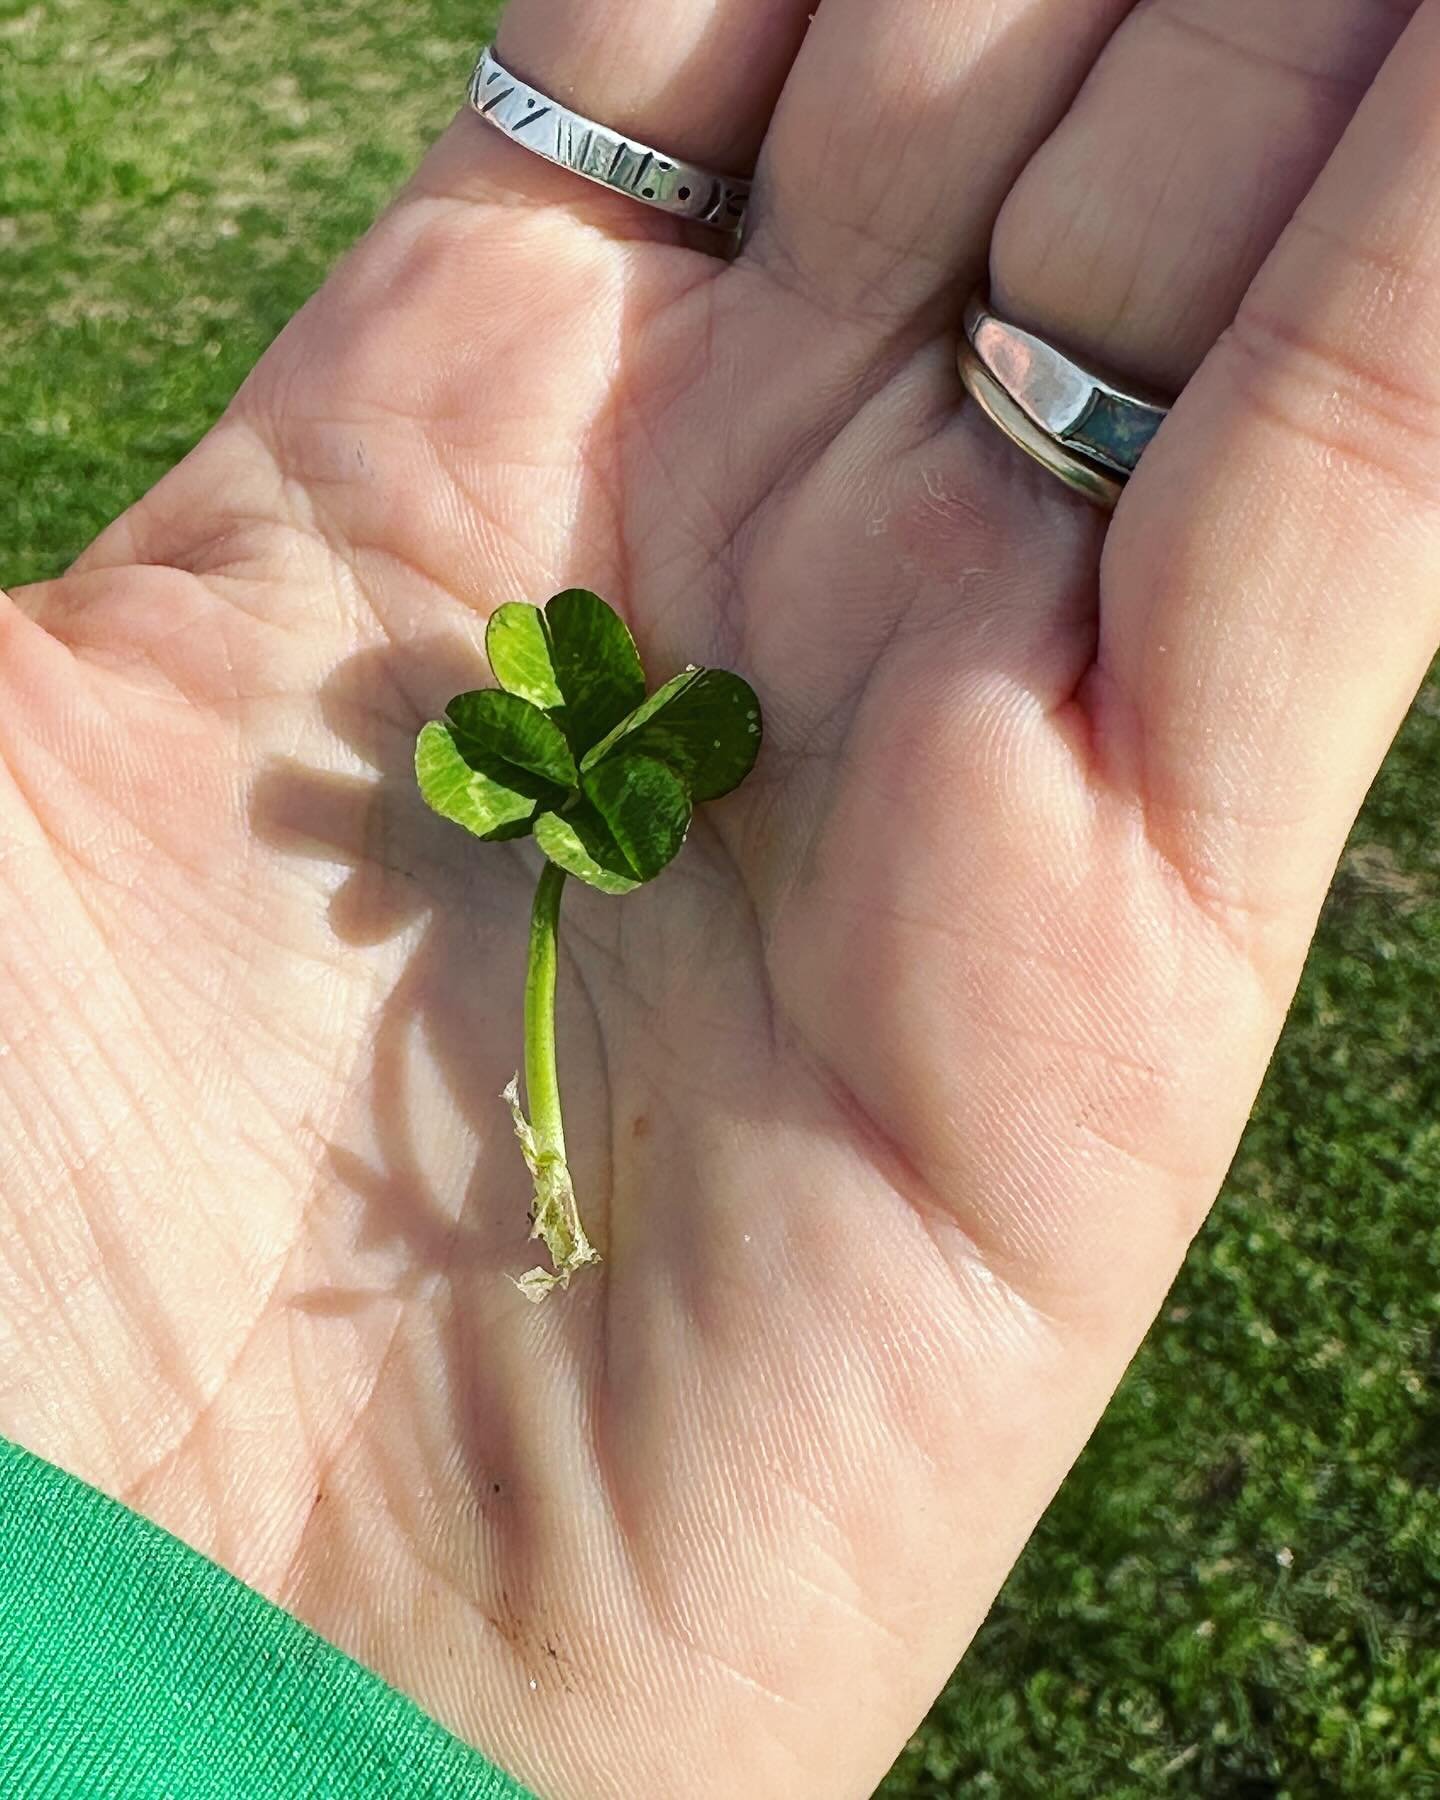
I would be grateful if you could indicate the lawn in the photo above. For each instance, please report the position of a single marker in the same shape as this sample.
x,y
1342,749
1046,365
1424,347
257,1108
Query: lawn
x,y
1238,1592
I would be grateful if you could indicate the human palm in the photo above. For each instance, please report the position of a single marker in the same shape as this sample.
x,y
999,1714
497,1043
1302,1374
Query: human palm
x,y
892,1106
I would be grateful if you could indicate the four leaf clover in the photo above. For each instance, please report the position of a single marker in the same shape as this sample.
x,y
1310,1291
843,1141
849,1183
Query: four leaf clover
x,y
570,750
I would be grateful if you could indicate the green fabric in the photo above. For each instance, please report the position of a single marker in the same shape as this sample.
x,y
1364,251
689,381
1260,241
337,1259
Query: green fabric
x,y
133,1668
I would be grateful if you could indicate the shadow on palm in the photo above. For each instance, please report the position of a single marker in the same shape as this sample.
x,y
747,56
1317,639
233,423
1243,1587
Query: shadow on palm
x,y
648,1013
457,997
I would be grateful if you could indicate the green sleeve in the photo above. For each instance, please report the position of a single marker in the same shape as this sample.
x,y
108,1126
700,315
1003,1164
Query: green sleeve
x,y
133,1668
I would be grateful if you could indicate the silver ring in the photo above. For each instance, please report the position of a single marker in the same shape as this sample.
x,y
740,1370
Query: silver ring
x,y
1083,426
593,150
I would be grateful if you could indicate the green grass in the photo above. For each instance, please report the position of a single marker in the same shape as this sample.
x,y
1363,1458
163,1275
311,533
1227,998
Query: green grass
x,y
1236,1593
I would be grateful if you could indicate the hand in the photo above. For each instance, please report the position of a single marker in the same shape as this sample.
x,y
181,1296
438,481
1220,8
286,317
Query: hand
x,y
894,1104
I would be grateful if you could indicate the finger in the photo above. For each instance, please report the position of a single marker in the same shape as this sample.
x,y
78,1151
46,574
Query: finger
x,y
464,275
701,87
1135,231
902,127
1271,591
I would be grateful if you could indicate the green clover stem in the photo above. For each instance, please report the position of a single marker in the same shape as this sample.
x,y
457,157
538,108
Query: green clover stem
x,y
556,1215
542,1078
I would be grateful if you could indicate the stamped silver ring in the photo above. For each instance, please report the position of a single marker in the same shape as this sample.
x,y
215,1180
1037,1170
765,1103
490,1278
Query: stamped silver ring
x,y
593,150
1083,426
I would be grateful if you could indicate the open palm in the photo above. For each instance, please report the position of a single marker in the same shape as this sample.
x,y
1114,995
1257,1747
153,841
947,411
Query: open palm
x,y
894,1103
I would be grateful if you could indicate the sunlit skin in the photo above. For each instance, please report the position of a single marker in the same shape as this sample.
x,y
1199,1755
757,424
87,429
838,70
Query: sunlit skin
x,y
896,1102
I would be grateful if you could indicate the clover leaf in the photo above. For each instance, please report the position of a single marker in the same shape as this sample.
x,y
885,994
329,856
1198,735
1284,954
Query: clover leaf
x,y
486,795
491,726
576,660
705,723
570,749
580,843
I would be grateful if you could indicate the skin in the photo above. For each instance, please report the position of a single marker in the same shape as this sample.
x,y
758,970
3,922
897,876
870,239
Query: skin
x,y
894,1105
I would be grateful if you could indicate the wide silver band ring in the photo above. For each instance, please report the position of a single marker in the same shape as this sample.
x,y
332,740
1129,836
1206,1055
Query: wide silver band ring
x,y
588,148
1083,426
